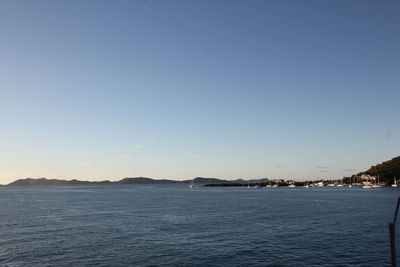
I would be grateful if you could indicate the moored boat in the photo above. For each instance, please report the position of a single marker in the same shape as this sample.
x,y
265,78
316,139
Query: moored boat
x,y
376,184
395,183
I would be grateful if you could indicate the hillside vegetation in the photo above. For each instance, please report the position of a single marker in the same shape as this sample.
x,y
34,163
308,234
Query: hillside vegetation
x,y
386,170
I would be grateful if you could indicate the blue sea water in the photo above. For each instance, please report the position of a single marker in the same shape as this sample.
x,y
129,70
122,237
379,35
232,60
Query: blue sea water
x,y
170,225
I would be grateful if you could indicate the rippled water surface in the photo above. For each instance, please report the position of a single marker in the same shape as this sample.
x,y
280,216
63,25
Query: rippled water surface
x,y
172,225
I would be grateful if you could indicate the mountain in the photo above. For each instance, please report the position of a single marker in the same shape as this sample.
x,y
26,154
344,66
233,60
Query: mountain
x,y
386,170
144,180
252,181
202,180
53,182
134,180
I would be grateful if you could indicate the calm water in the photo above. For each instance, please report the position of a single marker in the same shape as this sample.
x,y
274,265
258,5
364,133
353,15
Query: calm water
x,y
172,225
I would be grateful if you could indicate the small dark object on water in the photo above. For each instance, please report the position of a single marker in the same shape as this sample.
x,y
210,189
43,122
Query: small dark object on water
x,y
392,232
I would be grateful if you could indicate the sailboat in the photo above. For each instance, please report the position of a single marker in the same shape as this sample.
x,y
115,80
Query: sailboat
x,y
257,185
376,185
395,184
191,186
340,184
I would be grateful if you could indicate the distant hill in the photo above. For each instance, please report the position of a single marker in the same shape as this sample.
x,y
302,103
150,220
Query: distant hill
x,y
133,180
252,181
144,180
202,180
53,182
386,170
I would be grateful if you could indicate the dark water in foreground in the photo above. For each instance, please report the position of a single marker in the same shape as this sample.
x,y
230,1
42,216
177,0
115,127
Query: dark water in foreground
x,y
172,225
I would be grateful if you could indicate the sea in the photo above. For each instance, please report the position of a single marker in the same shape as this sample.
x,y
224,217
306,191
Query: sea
x,y
172,225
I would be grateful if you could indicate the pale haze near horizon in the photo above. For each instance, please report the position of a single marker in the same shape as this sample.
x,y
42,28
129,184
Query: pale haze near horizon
x,y
95,90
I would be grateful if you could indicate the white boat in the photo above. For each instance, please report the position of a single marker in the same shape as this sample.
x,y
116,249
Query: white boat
x,y
395,184
340,182
366,181
376,184
191,186
292,185
257,185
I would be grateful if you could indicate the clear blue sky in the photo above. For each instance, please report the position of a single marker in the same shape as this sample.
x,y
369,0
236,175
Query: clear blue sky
x,y
177,89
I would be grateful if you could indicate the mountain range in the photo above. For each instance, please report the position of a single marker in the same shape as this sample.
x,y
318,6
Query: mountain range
x,y
386,171
134,180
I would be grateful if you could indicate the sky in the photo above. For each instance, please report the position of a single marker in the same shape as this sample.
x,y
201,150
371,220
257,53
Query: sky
x,y
96,90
